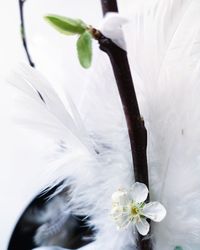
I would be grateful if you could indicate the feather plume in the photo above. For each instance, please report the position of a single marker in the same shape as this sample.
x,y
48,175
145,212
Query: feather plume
x,y
165,49
88,161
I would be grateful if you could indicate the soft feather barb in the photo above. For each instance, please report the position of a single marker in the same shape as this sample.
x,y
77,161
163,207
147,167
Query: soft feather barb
x,y
88,162
165,49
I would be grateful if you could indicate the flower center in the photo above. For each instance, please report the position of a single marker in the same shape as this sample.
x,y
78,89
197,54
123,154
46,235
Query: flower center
x,y
134,210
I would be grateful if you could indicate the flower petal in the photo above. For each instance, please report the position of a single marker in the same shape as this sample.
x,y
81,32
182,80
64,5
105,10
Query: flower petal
x,y
116,211
120,197
154,211
120,217
142,226
139,192
122,223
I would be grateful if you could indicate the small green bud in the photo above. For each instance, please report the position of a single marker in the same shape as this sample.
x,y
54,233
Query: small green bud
x,y
84,48
65,25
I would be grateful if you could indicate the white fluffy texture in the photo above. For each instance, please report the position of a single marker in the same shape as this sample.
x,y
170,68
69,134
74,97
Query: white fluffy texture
x,y
91,172
103,116
53,54
165,49
163,43
111,27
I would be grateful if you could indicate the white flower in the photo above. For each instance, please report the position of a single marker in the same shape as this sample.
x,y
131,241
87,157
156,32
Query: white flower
x,y
129,207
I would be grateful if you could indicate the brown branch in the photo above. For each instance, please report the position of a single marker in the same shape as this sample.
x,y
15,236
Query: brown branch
x,y
23,32
109,6
136,129
135,123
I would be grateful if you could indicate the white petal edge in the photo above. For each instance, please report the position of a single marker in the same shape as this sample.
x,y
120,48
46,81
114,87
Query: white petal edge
x,y
139,192
120,197
120,218
154,211
142,227
122,223
116,212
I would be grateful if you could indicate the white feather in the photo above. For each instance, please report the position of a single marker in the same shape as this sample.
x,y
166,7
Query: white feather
x,y
91,168
111,27
165,52
163,44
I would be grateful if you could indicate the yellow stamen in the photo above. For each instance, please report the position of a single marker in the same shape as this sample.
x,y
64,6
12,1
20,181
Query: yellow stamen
x,y
135,210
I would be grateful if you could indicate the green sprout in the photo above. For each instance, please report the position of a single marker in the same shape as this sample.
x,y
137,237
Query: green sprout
x,y
68,26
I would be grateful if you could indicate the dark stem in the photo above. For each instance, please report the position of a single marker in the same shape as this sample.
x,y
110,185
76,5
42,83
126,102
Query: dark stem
x,y
135,123
109,6
23,32
23,35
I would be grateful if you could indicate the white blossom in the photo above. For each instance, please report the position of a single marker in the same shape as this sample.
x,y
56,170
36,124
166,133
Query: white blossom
x,y
129,208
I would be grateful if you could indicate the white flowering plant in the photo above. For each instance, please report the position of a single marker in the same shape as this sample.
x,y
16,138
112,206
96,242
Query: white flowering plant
x,y
129,208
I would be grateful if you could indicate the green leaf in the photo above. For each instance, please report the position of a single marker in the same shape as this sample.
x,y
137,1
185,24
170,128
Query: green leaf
x,y
84,48
66,25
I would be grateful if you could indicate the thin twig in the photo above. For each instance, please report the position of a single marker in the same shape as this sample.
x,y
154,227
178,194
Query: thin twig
x,y
135,123
23,35
23,32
